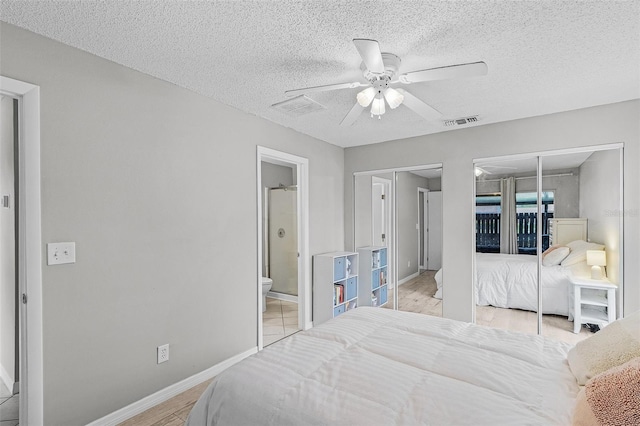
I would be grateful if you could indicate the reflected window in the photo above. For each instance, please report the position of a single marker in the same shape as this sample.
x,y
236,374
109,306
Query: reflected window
x,y
488,221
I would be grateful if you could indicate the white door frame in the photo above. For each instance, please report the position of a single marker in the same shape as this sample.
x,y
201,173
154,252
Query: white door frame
x,y
422,248
386,184
29,248
304,269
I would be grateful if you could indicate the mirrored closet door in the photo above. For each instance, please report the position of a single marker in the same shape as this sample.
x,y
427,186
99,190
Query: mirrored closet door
x,y
564,278
506,251
398,234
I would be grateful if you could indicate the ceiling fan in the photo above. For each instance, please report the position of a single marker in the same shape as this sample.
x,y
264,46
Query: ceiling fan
x,y
380,70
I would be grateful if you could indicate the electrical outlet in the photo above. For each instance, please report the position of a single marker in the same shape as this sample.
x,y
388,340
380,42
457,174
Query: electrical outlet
x,y
408,264
163,353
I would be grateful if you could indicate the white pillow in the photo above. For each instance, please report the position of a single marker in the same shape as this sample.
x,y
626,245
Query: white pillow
x,y
555,256
579,253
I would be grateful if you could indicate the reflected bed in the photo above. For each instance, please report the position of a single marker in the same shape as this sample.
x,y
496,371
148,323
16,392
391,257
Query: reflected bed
x,y
510,281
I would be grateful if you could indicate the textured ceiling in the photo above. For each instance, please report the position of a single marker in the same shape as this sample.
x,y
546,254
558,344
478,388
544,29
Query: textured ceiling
x,y
543,56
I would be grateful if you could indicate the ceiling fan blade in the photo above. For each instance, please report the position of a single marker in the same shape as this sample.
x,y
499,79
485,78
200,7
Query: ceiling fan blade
x,y
419,106
370,52
327,87
474,69
352,116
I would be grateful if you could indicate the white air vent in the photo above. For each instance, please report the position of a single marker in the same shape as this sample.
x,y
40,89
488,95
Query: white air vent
x,y
461,121
300,105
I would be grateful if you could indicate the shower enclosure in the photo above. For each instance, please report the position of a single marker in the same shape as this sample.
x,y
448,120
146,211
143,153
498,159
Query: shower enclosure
x,y
282,239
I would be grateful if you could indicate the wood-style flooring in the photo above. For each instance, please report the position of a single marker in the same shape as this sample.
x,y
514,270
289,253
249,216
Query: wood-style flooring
x,y
416,295
172,412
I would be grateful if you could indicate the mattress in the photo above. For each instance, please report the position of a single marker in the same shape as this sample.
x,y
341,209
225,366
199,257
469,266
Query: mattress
x,y
379,366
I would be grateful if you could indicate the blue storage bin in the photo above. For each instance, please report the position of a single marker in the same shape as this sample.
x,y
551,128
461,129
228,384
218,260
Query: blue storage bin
x,y
383,257
383,295
338,310
339,269
375,279
352,288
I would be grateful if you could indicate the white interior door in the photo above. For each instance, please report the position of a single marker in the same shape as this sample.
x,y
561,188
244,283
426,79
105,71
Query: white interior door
x,y
433,238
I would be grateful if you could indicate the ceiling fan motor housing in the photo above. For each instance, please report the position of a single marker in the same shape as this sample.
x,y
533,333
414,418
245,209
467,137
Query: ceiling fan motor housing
x,y
391,65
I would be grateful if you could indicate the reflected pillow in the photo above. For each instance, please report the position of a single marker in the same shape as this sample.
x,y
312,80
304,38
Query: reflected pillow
x,y
614,345
579,251
554,255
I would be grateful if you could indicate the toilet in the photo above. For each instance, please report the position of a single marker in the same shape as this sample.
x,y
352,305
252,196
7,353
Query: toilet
x,y
266,286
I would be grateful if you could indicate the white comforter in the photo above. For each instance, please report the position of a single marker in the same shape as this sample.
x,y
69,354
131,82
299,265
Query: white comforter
x,y
373,366
510,281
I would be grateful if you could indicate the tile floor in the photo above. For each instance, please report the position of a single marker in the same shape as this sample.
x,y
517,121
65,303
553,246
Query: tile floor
x,y
417,296
8,407
279,320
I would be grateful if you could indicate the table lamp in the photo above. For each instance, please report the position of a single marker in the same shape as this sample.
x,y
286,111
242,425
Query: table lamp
x,y
596,259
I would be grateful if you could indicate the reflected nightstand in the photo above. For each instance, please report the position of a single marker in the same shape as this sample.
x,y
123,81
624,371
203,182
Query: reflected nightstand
x,y
590,294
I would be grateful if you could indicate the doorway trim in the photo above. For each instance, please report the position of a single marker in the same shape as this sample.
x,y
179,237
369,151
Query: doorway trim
x,y
422,248
29,248
304,269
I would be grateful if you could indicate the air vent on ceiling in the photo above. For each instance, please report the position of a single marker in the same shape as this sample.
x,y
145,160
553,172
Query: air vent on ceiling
x,y
300,105
461,121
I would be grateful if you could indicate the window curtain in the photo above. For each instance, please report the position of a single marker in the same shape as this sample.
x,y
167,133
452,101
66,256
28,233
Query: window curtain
x,y
508,225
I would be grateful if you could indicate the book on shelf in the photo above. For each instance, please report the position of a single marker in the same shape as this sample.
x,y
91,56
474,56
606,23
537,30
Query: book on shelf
x,y
338,294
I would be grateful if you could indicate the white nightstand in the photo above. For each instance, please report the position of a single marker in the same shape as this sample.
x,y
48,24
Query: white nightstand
x,y
588,294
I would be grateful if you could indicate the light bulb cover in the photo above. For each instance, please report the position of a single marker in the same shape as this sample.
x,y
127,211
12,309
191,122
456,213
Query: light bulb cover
x,y
366,96
393,97
377,106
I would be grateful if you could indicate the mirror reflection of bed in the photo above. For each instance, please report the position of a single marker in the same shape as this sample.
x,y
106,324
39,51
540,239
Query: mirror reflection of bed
x,y
414,239
579,196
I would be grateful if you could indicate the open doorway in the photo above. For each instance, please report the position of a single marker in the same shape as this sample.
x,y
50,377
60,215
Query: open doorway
x,y
9,284
29,242
283,270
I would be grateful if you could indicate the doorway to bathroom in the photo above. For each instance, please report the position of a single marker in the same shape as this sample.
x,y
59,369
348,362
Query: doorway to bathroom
x,y
284,289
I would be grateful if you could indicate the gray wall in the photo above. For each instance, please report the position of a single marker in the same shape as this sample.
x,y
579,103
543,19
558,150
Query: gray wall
x,y
599,203
7,246
566,188
457,149
131,171
274,175
407,185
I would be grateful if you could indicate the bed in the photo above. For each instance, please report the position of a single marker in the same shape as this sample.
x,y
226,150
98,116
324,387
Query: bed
x,y
510,281
378,366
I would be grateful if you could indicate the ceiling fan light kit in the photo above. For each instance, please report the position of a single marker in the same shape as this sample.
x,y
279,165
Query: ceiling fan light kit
x,y
380,69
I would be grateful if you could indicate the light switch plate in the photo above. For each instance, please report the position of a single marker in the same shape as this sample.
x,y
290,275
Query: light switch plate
x,y
59,253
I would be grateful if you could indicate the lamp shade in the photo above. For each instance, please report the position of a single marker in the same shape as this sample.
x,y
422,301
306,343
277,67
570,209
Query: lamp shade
x,y
596,258
377,107
366,96
393,97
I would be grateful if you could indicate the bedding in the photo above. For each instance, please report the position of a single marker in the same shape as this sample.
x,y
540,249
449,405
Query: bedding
x,y
510,281
379,366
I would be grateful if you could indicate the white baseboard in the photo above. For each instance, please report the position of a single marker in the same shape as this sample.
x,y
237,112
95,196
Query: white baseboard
x,y
6,379
162,395
408,278
282,296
